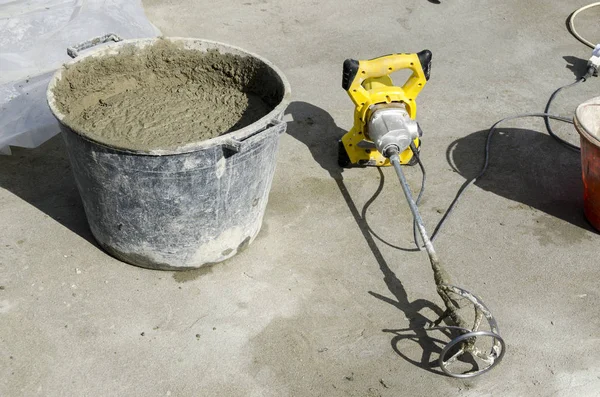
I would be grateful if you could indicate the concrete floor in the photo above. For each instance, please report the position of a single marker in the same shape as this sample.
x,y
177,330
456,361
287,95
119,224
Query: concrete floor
x,y
307,309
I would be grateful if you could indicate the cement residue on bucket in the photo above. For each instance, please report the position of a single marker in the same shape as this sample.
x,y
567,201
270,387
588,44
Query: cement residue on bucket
x,y
163,96
588,117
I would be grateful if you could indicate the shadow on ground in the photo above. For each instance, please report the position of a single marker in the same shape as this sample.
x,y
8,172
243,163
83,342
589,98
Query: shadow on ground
x,y
316,129
527,167
43,178
576,65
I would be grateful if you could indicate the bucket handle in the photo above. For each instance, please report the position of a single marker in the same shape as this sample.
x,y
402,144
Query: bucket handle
x,y
73,51
275,127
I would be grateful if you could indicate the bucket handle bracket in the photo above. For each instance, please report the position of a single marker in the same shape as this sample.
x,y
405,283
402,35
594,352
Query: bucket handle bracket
x,y
73,51
236,145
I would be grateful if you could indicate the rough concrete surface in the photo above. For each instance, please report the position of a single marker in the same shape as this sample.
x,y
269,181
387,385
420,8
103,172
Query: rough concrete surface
x,y
307,310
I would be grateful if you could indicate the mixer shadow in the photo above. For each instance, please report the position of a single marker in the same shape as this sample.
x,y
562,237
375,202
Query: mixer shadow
x,y
42,177
526,167
322,143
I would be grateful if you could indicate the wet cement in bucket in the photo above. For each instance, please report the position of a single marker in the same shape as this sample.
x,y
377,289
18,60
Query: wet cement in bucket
x,y
163,96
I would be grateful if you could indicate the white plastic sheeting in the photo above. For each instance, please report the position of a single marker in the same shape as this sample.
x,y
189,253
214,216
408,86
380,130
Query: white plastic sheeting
x,y
34,36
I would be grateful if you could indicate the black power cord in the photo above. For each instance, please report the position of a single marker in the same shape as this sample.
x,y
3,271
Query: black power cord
x,y
568,145
484,168
592,70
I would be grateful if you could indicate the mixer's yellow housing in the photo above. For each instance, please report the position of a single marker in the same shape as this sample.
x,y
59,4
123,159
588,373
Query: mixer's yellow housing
x,y
368,83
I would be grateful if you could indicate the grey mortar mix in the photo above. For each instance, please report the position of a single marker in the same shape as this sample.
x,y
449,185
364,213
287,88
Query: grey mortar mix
x,y
161,96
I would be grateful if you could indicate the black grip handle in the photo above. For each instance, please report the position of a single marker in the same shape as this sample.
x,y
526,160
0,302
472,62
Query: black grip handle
x,y
425,59
349,73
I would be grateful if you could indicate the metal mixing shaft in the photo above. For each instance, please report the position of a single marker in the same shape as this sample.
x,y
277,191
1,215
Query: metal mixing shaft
x,y
468,336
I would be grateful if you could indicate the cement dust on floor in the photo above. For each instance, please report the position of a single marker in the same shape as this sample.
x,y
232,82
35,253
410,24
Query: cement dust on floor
x,y
316,307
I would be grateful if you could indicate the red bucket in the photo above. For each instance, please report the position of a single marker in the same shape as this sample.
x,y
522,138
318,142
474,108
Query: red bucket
x,y
587,123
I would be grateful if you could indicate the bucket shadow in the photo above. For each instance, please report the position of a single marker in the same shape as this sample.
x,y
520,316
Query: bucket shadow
x,y
316,129
42,177
527,167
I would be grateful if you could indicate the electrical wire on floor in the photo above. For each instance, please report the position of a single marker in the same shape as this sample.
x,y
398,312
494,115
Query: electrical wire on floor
x,y
563,142
571,23
590,72
465,341
470,182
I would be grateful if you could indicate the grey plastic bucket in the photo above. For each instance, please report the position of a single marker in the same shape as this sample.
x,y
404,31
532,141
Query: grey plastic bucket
x,y
184,208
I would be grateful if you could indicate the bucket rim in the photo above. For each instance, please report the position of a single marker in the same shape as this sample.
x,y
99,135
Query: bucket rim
x,y
580,127
105,49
